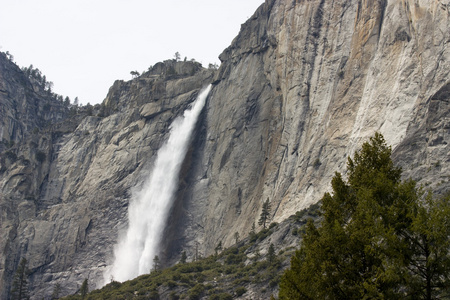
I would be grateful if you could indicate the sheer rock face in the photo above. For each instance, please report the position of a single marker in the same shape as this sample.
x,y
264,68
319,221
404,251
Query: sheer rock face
x,y
299,89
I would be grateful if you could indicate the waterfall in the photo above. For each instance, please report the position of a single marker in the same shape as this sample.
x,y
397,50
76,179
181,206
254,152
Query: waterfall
x,y
149,208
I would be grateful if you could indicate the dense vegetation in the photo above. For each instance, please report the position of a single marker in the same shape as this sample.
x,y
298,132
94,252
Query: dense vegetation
x,y
223,276
380,238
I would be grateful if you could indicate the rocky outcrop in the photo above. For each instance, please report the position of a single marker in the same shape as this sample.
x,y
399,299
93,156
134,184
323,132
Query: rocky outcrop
x,y
299,89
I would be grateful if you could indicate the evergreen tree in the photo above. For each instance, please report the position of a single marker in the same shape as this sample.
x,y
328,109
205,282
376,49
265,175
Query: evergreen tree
x,y
156,263
426,260
89,109
56,291
19,288
84,290
183,257
265,214
252,233
271,254
67,101
236,237
135,74
376,239
177,56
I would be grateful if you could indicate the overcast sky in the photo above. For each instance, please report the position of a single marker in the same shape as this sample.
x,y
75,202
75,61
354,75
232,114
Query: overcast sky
x,y
84,45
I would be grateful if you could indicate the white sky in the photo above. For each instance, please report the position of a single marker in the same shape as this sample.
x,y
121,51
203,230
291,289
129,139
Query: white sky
x,y
84,45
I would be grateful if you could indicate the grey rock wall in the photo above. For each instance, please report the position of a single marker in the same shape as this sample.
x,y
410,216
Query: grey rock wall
x,y
299,89
302,86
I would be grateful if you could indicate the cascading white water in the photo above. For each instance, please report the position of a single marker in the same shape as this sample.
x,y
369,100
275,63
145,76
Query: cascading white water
x,y
148,210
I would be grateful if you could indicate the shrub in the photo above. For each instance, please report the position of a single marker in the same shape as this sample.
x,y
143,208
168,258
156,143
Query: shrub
x,y
174,296
221,296
317,163
196,292
240,291
272,225
171,284
154,295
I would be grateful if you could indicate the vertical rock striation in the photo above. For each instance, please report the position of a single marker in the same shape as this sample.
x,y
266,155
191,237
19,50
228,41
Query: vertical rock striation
x,y
300,88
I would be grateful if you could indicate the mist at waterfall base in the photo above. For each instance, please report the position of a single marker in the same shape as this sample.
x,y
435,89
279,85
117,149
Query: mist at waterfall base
x,y
149,208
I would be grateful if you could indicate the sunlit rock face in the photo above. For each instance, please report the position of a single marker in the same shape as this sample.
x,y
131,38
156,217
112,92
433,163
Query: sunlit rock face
x,y
299,89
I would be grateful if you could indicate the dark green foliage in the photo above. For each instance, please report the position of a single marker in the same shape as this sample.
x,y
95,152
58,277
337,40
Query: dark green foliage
x,y
196,292
19,288
263,234
271,254
221,296
265,214
240,291
252,234
84,290
304,214
56,291
172,284
317,163
236,237
377,239
233,259
183,257
154,295
272,225
427,249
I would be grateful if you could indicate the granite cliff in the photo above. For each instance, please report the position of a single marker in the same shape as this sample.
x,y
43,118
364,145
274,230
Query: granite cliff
x,y
299,89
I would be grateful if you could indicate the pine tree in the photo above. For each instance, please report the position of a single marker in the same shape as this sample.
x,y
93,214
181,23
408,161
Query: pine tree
x,y
271,254
183,257
84,290
265,214
156,263
426,260
56,291
377,238
67,101
236,237
19,288
252,233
